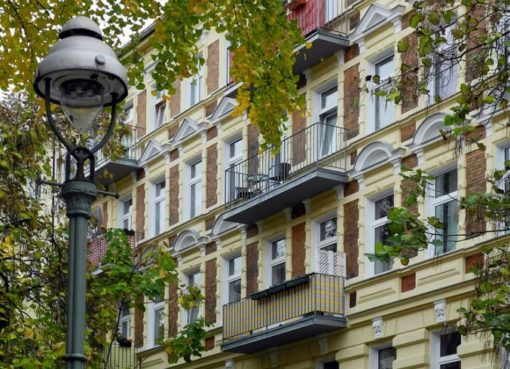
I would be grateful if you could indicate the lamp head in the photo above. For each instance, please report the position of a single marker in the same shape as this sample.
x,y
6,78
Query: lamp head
x,y
84,73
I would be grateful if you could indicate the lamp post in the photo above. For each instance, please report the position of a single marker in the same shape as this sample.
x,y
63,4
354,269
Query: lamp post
x,y
83,75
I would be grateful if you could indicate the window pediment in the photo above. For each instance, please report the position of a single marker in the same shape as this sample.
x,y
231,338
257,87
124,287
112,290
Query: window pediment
x,y
188,128
226,105
376,17
188,239
375,154
428,131
151,151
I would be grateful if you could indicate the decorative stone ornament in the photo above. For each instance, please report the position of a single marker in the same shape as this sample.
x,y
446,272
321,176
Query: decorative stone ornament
x,y
440,311
81,60
378,326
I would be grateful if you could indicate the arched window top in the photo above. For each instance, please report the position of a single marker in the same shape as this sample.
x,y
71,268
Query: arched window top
x,y
221,226
429,130
187,239
375,154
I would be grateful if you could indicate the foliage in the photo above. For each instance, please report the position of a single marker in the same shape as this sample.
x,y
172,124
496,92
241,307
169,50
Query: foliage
x,y
262,43
474,34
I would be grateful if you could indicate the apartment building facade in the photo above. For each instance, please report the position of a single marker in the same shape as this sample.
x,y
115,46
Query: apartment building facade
x,y
277,243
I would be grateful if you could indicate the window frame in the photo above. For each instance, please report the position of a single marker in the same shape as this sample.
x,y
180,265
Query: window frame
x,y
194,183
435,349
374,354
154,307
158,229
432,203
126,216
231,278
124,318
321,244
230,181
373,106
192,279
437,62
372,225
273,262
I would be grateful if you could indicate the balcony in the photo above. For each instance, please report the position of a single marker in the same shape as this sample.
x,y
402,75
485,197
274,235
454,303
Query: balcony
x,y
109,171
309,162
295,310
319,21
97,245
120,357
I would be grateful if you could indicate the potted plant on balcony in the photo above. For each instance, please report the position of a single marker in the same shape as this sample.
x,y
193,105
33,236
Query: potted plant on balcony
x,y
124,341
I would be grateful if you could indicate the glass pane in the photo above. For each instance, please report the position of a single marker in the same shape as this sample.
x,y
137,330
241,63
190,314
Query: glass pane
x,y
446,183
384,68
160,188
448,343
385,357
159,324
234,266
329,99
382,207
330,365
447,214
328,229
193,200
124,328
157,225
193,314
278,274
234,290
193,279
235,148
383,112
331,247
278,249
381,234
127,206
328,135
125,224
124,310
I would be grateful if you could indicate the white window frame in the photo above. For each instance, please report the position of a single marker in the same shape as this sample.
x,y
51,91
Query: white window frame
x,y
231,278
373,106
124,319
126,216
502,155
432,202
331,10
191,281
374,354
129,111
438,70
435,346
372,225
194,182
157,229
193,86
151,322
271,263
319,245
326,111
228,62
231,182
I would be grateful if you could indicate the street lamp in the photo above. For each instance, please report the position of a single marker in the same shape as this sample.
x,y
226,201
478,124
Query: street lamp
x,y
83,75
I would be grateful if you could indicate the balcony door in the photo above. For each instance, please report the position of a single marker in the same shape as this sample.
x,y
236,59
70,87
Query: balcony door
x,y
327,259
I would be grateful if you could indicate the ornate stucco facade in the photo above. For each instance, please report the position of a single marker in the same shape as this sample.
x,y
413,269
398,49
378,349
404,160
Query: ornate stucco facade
x,y
287,234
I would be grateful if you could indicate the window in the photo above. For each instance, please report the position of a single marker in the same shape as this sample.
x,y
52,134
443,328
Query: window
x,y
129,113
156,321
330,10
443,197
234,155
234,279
191,315
277,256
379,232
383,357
383,108
193,86
159,107
125,214
228,62
443,81
195,189
159,207
328,120
327,257
333,364
124,321
502,27
444,350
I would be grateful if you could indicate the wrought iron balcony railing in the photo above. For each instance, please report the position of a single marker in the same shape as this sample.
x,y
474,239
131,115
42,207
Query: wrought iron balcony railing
x,y
128,141
319,145
312,294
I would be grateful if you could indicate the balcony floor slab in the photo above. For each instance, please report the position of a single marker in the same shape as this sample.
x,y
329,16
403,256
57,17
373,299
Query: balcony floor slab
x,y
306,327
285,195
117,169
